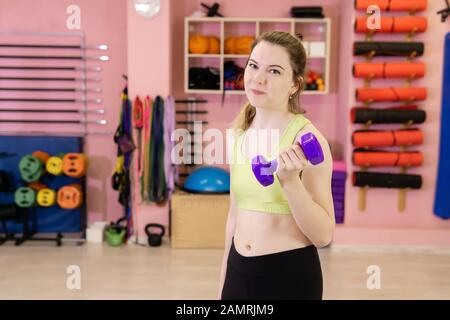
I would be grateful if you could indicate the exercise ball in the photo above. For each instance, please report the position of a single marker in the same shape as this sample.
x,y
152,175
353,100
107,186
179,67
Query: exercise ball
x,y
208,179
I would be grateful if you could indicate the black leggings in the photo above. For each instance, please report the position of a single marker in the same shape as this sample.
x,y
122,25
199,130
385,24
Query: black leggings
x,y
292,275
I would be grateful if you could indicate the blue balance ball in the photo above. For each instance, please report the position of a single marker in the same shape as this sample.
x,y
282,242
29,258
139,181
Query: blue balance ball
x,y
208,180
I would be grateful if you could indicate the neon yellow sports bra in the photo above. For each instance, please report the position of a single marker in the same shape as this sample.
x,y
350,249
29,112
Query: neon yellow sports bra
x,y
250,195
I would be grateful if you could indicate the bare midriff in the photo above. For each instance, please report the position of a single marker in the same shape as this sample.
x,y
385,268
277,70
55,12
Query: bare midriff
x,y
259,233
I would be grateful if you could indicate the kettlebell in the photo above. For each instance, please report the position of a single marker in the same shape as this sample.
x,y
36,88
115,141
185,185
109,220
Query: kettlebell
x,y
154,239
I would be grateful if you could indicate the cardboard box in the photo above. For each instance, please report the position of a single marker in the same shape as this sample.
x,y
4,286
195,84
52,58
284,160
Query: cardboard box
x,y
198,220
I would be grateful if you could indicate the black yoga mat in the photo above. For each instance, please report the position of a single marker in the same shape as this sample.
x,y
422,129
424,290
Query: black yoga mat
x,y
402,49
363,115
386,180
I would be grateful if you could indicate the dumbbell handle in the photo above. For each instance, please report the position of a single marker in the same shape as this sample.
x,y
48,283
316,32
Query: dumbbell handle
x,y
264,170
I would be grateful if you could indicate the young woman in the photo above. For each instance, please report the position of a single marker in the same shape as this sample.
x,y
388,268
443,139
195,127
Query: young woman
x,y
273,232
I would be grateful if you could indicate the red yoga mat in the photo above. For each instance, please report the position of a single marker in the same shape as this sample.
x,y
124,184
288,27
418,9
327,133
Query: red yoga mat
x,y
389,70
393,5
372,158
390,94
393,25
377,138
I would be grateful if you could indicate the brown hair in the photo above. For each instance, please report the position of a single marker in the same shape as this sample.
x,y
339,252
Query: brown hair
x,y
292,44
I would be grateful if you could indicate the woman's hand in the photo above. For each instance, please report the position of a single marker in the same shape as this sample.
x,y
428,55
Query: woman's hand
x,y
291,162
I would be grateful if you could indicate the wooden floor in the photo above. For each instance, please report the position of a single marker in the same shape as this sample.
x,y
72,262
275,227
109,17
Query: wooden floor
x,y
38,271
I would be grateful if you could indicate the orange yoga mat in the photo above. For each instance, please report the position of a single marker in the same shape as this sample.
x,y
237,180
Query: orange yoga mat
x,y
408,5
393,25
363,4
408,137
378,138
391,94
371,158
393,5
389,70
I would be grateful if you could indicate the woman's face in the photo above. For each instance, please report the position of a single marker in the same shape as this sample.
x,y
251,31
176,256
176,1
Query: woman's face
x,y
268,77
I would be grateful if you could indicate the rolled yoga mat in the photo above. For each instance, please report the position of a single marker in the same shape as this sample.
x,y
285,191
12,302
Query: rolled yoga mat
x,y
378,138
393,5
402,49
390,94
442,199
374,158
376,116
386,180
393,25
389,70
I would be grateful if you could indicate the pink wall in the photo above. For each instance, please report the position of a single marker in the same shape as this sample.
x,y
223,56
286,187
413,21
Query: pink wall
x,y
96,18
319,109
154,63
149,73
381,222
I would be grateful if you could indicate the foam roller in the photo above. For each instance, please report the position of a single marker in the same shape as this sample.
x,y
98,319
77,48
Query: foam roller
x,y
389,70
373,158
378,138
386,180
390,94
390,49
393,5
393,25
376,116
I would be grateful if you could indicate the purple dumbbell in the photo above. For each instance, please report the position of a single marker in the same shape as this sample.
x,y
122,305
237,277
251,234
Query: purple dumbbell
x,y
264,170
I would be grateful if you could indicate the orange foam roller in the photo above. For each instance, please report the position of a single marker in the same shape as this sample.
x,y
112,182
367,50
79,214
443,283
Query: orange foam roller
x,y
389,70
404,70
410,159
382,158
378,138
374,158
368,70
408,137
390,94
393,5
386,25
364,4
407,5
373,138
409,24
393,25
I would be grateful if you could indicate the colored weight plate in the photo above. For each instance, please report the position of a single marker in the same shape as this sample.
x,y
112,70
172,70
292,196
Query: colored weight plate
x,y
25,197
46,197
41,155
54,166
36,186
70,197
75,165
30,168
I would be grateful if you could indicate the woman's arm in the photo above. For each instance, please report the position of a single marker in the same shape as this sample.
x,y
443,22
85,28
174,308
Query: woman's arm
x,y
310,197
229,233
